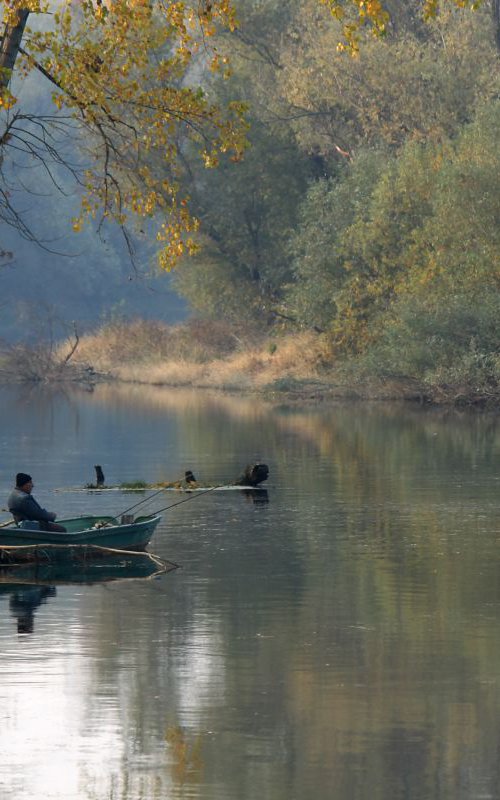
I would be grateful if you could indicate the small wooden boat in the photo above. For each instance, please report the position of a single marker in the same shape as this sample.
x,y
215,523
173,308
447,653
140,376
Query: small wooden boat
x,y
127,534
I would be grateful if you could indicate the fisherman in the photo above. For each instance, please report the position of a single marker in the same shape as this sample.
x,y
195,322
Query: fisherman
x,y
23,506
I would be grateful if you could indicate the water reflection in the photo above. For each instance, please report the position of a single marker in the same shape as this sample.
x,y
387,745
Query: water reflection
x,y
257,496
30,585
339,641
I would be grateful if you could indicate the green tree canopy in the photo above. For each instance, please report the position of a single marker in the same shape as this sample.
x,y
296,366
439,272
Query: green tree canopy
x,y
127,73
402,244
414,84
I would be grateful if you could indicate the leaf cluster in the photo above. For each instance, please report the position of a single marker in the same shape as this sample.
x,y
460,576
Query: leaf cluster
x,y
122,71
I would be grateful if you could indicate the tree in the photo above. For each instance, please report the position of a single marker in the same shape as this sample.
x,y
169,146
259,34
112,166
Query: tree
x,y
121,78
247,210
356,15
246,216
397,258
328,209
123,75
417,84
420,85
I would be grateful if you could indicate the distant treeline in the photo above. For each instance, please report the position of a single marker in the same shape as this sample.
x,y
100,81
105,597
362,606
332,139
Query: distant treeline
x,y
368,205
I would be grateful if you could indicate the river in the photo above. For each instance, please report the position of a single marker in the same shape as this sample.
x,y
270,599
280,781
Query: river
x,y
337,636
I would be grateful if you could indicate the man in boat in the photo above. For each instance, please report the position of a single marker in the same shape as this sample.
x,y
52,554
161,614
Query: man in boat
x,y
23,506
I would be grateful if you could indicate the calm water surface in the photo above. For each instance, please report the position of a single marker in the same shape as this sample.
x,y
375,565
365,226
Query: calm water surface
x,y
339,638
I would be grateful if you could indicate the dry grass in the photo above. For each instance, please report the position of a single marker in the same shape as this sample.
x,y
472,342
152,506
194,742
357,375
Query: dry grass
x,y
203,354
214,355
142,341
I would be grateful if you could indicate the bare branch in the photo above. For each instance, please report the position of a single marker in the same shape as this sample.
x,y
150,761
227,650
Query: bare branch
x,y
74,346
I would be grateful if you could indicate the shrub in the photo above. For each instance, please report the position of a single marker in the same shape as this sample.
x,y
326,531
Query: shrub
x,y
447,340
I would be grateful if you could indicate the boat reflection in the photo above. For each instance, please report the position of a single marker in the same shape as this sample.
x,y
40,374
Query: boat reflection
x,y
29,586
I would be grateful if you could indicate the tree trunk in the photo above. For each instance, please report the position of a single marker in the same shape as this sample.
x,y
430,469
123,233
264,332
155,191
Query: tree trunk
x,y
10,44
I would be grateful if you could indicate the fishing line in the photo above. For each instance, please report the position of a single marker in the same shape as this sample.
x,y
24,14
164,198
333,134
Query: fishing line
x,y
192,497
146,499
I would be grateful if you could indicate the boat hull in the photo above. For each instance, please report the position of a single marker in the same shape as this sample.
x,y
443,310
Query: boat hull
x,y
80,530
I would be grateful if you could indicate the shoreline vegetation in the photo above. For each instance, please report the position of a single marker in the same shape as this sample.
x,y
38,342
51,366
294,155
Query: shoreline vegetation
x,y
300,367
352,253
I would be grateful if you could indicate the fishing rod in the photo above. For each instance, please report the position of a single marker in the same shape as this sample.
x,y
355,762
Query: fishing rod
x,y
192,497
146,499
188,476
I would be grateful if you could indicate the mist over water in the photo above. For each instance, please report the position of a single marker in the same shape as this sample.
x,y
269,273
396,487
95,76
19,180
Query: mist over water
x,y
336,636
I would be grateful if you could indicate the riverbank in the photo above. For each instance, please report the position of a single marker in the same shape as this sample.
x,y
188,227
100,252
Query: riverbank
x,y
299,368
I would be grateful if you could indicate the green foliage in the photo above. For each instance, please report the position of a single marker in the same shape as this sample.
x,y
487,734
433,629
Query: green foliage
x,y
459,246
402,233
317,248
420,83
452,342
368,204
247,209
139,484
216,288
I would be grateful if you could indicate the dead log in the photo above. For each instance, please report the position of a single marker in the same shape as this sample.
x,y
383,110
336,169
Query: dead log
x,y
99,474
253,474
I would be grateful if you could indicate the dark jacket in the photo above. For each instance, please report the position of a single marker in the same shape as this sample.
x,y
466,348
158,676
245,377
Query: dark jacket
x,y
23,506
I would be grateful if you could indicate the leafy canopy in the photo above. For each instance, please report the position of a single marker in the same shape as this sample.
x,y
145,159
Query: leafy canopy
x,y
400,239
127,72
356,14
124,70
